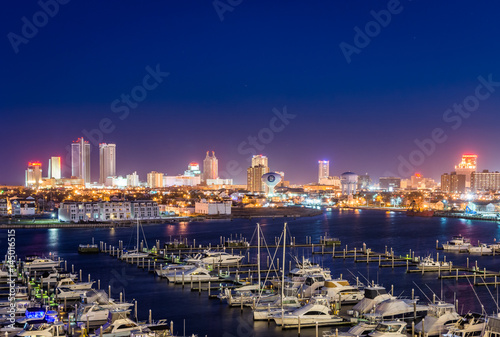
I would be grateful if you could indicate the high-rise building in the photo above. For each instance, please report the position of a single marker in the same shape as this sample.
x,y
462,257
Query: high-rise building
x,y
467,166
323,169
54,171
210,167
133,180
453,183
155,179
80,160
255,172
259,160
33,175
485,181
193,170
107,161
364,182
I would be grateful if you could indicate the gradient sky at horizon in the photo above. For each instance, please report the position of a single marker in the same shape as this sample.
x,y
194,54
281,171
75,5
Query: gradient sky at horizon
x,y
226,77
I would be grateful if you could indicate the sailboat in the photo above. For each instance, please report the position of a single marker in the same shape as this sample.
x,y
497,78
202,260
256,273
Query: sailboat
x,y
135,253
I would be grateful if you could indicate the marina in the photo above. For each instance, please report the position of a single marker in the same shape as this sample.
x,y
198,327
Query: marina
x,y
358,260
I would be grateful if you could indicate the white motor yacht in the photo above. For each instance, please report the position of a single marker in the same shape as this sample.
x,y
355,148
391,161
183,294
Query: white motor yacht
x,y
481,249
215,258
399,308
43,330
362,329
95,313
195,274
41,264
316,311
70,284
373,296
389,329
470,325
265,311
118,328
171,269
341,291
248,294
439,316
69,294
428,264
305,268
457,243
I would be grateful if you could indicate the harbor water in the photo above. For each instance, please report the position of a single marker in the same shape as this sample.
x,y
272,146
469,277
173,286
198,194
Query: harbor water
x,y
198,314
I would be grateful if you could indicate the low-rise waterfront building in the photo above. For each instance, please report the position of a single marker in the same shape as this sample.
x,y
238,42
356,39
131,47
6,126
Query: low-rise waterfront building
x,y
107,211
213,208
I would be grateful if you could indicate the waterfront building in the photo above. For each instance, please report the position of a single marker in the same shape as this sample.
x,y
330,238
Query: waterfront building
x,y
416,181
210,167
54,168
4,207
330,181
213,208
453,183
118,182
107,161
133,180
23,207
323,170
485,181
467,166
107,211
389,183
155,179
33,175
80,160
63,183
181,180
255,172
349,182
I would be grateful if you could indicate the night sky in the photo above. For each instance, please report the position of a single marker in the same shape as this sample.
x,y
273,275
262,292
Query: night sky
x,y
226,77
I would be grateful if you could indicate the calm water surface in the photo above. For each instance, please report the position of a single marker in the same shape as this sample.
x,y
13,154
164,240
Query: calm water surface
x,y
210,317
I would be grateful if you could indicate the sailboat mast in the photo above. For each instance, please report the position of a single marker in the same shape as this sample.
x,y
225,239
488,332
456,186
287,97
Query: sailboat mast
x,y
283,272
138,234
258,252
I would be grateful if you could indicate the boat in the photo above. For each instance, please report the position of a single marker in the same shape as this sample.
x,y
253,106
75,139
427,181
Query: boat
x,y
118,328
305,268
69,294
317,311
136,252
457,243
170,269
470,325
373,296
20,307
311,285
265,311
362,329
53,277
249,295
96,313
195,274
428,264
439,316
341,291
389,329
41,264
399,309
481,249
69,283
424,213
43,330
88,249
492,328
215,258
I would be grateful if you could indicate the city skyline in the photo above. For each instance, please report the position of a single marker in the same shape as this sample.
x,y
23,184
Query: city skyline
x,y
308,80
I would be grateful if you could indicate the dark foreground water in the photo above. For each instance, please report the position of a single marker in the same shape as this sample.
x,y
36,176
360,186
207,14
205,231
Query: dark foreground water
x,y
210,317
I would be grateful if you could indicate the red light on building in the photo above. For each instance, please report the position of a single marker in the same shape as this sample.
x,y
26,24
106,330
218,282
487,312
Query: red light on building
x,y
35,163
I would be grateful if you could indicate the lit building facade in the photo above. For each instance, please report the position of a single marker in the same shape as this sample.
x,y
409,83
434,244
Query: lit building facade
x,y
485,181
323,170
210,167
389,183
453,183
181,181
107,161
219,181
54,171
213,208
364,182
80,160
33,175
255,172
133,180
155,179
108,211
4,207
467,166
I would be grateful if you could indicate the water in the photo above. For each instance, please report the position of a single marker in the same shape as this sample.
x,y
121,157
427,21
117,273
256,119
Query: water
x,y
210,317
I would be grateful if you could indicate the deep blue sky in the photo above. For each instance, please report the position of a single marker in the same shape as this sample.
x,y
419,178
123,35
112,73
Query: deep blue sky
x,y
227,76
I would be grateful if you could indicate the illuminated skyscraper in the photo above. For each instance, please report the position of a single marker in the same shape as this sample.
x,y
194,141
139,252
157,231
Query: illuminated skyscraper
x,y
107,161
80,160
467,166
324,170
210,167
155,179
34,175
54,168
255,172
